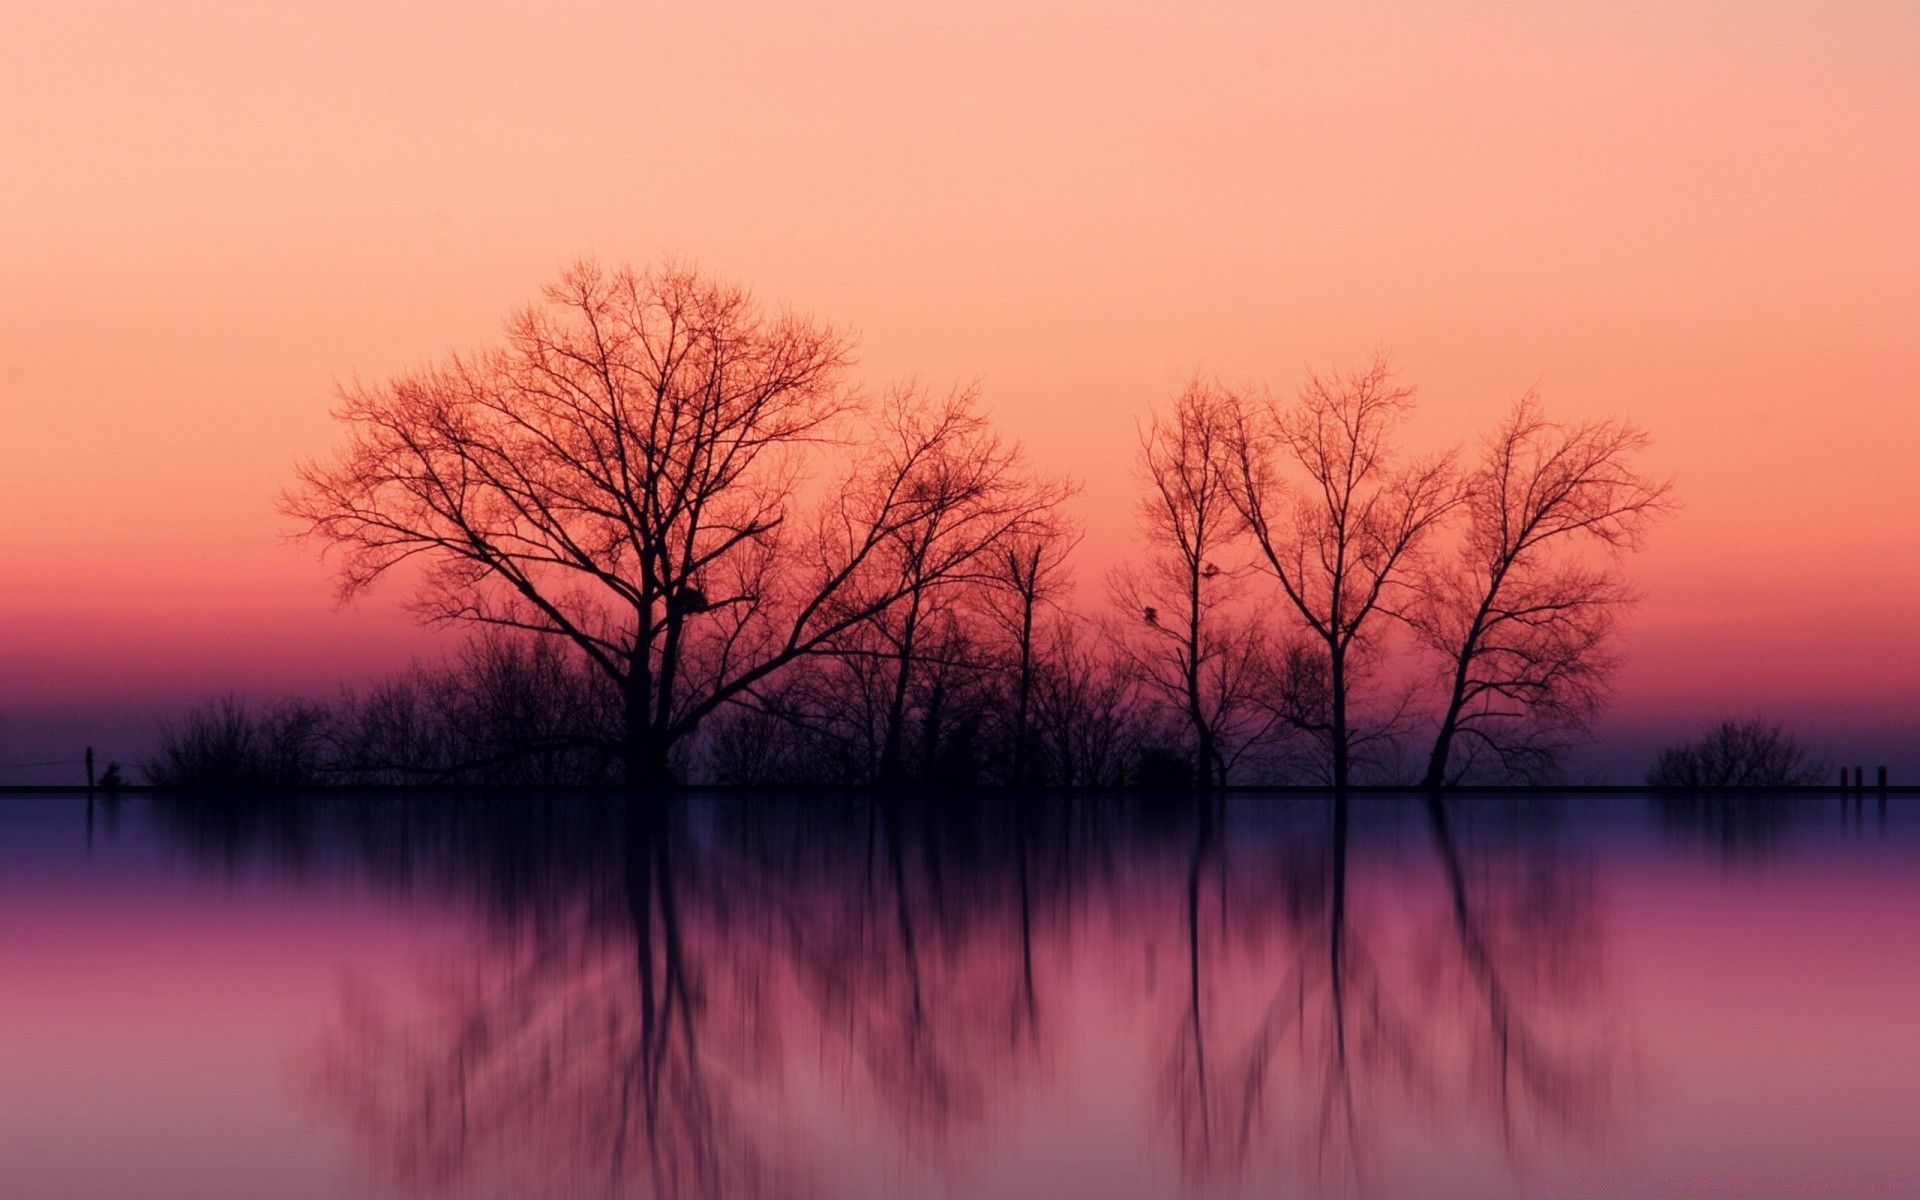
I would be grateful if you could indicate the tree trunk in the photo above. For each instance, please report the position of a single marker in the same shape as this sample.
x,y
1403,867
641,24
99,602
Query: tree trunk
x,y
893,768
1025,685
1436,777
1341,763
1463,658
646,746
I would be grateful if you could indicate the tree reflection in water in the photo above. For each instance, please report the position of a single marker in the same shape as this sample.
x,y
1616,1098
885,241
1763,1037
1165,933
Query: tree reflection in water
x,y
737,998
1342,1015
599,1046
1744,828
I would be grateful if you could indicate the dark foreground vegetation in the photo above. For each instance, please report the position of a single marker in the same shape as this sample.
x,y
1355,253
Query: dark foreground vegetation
x,y
515,713
1739,754
697,550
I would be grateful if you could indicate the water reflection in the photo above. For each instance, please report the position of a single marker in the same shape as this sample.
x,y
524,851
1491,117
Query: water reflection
x,y
763,997
1752,829
1361,1002
1741,828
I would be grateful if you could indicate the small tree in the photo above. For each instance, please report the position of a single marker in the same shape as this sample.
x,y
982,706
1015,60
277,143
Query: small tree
x,y
1028,575
978,505
1087,711
227,744
1738,753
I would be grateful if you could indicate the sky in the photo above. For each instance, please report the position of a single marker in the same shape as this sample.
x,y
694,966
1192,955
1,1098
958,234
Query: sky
x,y
1696,216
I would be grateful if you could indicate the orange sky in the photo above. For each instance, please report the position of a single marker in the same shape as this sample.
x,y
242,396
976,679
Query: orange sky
x,y
1699,216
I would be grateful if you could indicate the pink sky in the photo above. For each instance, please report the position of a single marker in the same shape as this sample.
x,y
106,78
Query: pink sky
x,y
1696,216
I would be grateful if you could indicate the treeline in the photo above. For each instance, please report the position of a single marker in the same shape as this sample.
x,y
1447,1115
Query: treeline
x,y
515,712
519,711
700,552
503,711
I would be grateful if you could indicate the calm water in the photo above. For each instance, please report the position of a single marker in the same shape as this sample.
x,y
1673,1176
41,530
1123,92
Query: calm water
x,y
537,998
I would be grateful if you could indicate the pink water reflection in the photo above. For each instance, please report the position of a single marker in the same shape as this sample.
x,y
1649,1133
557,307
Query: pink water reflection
x,y
861,1001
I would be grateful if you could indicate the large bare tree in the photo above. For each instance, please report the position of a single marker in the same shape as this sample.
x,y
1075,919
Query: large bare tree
x,y
1340,518
626,473
1521,612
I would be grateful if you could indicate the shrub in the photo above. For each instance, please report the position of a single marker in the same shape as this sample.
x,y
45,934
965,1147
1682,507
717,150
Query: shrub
x,y
1737,753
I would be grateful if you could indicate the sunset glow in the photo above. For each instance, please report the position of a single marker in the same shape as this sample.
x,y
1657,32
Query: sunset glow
x,y
1696,216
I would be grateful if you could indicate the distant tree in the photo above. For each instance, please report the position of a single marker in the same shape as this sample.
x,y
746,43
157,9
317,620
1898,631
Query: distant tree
x,y
1087,716
394,731
938,563
503,709
508,709
1752,752
1179,621
227,744
1029,574
1340,520
624,474
1518,615
901,696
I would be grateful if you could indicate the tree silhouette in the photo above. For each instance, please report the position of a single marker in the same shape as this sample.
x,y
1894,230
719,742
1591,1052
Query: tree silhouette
x,y
624,474
1339,520
1087,711
1519,619
1029,574
979,507
1753,752
1177,621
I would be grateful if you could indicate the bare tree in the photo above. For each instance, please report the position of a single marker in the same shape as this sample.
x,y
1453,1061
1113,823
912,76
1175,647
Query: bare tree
x,y
980,506
226,744
1030,574
1519,617
1179,627
1087,711
623,474
1339,520
907,682
1738,753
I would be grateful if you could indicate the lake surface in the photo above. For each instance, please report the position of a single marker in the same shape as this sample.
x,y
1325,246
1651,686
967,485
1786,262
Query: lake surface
x,y
1553,996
